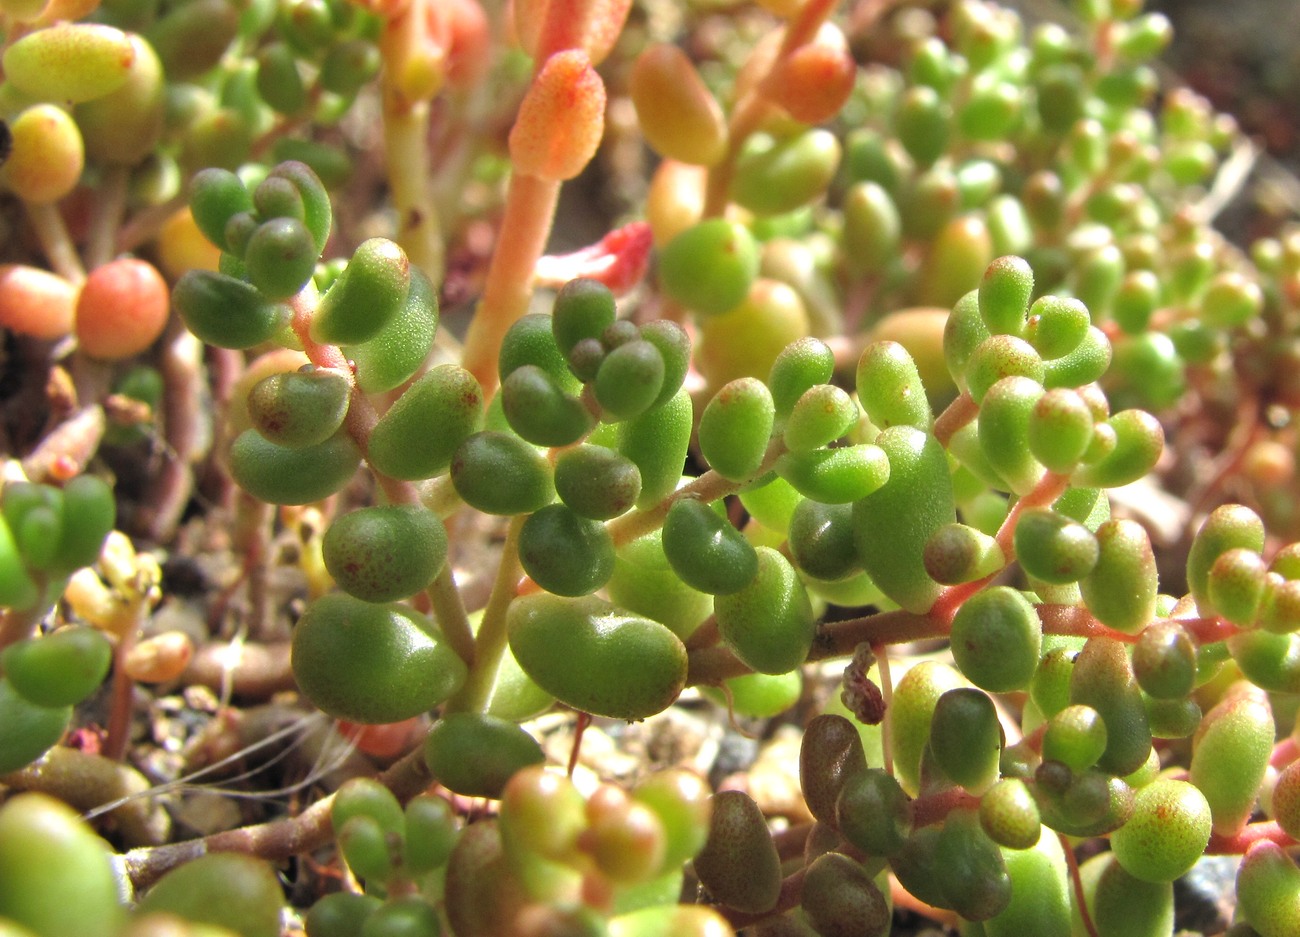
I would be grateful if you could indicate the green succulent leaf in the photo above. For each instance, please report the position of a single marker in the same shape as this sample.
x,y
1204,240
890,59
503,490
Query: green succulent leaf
x,y
597,657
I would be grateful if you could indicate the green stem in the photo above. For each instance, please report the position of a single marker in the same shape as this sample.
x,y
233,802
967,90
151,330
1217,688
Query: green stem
x,y
707,487
56,242
145,224
451,615
110,208
419,231
490,643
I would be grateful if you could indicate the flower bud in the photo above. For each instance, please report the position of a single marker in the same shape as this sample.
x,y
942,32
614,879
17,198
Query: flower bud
x,y
561,119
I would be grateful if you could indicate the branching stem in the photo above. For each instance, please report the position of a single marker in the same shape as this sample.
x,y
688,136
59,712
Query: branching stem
x,y
278,839
707,488
451,614
490,642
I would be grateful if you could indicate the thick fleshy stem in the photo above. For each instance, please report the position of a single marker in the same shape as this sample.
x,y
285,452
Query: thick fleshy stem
x,y
452,617
56,242
490,642
68,448
110,207
419,231
566,90
529,212
182,370
414,72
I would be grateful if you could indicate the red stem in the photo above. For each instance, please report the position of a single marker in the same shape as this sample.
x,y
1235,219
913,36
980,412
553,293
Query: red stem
x,y
1050,487
1079,897
931,808
1284,752
118,729
956,415
579,729
1237,843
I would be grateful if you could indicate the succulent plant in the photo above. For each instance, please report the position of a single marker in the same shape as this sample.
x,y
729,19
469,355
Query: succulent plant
x,y
928,297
